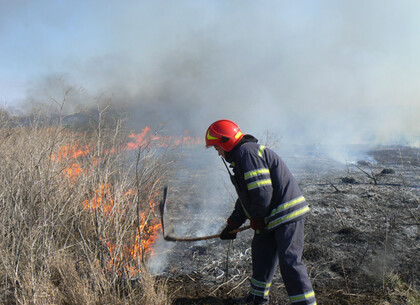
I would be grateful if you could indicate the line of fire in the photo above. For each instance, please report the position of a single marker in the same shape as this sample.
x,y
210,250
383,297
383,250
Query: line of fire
x,y
126,257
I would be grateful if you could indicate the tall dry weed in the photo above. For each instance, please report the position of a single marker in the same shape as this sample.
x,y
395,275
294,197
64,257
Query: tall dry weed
x,y
76,211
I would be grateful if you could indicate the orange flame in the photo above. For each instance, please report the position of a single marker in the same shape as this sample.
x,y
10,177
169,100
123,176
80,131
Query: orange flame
x,y
74,171
149,229
101,198
70,152
141,247
145,238
145,138
139,138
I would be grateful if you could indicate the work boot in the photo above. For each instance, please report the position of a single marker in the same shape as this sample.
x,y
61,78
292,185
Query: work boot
x,y
250,300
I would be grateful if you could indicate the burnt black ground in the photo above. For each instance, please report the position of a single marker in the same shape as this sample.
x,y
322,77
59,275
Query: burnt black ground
x,y
362,241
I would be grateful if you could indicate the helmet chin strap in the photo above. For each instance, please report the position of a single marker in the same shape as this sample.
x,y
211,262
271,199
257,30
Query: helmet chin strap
x,y
227,167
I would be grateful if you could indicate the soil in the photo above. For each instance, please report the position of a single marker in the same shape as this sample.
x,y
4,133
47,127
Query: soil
x,y
361,238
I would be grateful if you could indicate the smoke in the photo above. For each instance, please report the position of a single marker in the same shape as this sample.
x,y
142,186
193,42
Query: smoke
x,y
328,73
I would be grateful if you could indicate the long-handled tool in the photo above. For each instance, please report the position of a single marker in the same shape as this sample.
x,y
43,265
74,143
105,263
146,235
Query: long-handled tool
x,y
172,238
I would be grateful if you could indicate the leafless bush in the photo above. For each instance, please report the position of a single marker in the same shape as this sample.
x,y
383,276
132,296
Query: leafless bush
x,y
270,139
77,214
370,175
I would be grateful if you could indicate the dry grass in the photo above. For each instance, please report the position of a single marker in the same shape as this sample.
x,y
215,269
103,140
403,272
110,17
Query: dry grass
x,y
76,213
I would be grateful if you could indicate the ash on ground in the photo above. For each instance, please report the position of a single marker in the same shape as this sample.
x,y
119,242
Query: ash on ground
x,y
361,237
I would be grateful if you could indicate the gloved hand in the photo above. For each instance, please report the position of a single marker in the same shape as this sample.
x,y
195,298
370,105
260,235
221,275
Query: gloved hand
x,y
225,235
231,225
257,223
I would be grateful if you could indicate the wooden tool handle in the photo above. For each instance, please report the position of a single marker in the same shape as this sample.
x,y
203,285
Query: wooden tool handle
x,y
170,238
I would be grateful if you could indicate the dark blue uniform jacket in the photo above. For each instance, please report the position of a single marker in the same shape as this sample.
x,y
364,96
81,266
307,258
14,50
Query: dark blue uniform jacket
x,y
265,186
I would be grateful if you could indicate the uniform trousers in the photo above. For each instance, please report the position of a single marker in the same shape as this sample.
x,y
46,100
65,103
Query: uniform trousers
x,y
282,246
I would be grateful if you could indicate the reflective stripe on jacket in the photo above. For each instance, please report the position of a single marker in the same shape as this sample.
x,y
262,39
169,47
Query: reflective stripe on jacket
x,y
265,186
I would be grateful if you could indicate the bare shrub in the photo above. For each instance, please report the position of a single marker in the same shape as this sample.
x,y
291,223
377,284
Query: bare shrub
x,y
77,213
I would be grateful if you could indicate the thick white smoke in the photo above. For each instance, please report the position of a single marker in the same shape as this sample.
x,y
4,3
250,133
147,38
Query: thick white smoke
x,y
314,73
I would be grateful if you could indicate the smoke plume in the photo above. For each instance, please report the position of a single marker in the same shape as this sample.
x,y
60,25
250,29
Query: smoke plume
x,y
325,73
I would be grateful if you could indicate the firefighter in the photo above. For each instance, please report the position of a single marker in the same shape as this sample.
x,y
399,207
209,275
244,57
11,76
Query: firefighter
x,y
269,196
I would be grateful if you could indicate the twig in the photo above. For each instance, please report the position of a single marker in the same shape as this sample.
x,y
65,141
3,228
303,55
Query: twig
x,y
353,294
208,266
363,256
227,259
386,252
191,278
236,287
401,157
384,265
412,214
336,189
223,284
371,175
346,280
339,215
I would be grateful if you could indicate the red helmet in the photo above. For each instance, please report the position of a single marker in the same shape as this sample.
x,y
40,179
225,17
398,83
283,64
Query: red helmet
x,y
223,133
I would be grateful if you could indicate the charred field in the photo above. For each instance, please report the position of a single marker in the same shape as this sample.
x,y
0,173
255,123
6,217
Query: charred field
x,y
361,238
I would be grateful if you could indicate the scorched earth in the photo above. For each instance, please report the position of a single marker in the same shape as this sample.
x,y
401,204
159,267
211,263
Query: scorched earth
x,y
361,238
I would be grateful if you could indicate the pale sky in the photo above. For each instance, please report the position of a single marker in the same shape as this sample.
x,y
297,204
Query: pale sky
x,y
318,69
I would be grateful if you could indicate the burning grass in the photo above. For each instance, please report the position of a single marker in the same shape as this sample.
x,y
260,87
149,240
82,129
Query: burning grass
x,y
78,214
